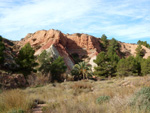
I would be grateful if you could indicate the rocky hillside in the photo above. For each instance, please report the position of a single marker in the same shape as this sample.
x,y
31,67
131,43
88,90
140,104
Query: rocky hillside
x,y
86,46
10,52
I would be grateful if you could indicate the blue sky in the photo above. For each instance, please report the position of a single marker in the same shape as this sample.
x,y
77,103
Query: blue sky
x,y
125,20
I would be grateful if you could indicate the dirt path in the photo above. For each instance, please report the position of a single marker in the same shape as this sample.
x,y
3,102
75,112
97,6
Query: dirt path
x,y
38,108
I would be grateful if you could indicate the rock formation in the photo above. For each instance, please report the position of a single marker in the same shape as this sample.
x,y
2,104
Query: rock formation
x,y
60,44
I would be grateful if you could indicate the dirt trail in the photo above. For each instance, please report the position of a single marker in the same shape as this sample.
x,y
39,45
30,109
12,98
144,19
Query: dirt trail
x,y
38,108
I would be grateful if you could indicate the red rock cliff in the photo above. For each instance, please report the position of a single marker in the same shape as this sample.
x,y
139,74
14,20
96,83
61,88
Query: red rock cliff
x,y
82,44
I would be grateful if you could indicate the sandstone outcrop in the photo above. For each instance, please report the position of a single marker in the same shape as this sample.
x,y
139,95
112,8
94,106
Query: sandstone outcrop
x,y
63,44
60,44
86,46
130,49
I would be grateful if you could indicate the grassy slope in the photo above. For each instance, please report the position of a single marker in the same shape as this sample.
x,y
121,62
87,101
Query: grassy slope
x,y
73,97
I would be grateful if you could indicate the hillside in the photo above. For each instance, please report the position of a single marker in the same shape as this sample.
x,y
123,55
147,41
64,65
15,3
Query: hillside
x,y
64,91
86,46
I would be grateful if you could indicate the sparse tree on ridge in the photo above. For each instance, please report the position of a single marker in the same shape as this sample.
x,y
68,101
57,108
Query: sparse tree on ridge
x,y
104,41
139,51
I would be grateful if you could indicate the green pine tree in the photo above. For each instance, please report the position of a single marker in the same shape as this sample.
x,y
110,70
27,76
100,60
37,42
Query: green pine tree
x,y
127,67
103,65
139,60
145,66
45,61
113,48
107,61
26,59
104,41
58,67
139,51
144,43
51,65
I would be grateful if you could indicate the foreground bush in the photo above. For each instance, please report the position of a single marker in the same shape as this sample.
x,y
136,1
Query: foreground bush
x,y
35,80
141,101
14,101
102,99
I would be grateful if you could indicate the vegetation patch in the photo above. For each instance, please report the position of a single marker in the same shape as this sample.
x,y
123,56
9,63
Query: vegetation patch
x,y
102,99
141,100
13,101
16,111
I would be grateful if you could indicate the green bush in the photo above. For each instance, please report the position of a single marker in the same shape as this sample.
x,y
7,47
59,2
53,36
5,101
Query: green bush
x,y
102,99
16,111
52,65
141,99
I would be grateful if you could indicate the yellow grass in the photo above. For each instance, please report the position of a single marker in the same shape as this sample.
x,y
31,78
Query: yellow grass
x,y
78,97
14,100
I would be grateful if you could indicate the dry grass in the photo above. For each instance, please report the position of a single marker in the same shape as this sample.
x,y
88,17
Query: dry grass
x,y
79,97
14,100
38,80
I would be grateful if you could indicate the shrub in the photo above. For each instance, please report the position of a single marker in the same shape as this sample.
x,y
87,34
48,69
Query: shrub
x,y
48,65
36,80
102,99
17,111
82,85
141,99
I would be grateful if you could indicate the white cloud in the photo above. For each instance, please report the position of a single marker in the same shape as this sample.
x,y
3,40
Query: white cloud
x,y
126,18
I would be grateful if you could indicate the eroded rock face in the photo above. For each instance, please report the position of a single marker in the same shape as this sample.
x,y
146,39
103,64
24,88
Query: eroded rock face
x,y
65,44
11,49
82,44
130,49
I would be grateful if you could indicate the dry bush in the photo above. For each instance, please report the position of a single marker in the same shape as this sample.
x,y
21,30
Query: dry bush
x,y
38,80
82,85
141,99
14,100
